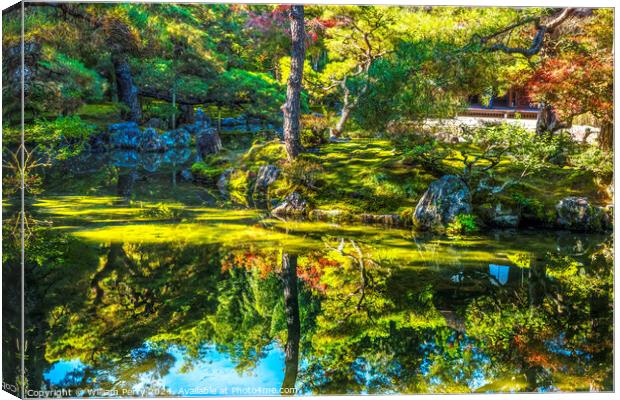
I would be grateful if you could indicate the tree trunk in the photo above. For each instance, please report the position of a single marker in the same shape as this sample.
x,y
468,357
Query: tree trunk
x,y
291,309
345,112
127,90
606,136
292,107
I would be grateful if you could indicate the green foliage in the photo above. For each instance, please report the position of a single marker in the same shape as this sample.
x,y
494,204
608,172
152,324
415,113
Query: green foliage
x,y
302,174
209,171
593,159
239,186
261,153
314,130
462,224
61,138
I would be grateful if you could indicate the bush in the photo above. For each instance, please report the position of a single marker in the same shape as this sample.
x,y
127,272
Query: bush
x,y
593,159
314,130
462,224
302,173
61,138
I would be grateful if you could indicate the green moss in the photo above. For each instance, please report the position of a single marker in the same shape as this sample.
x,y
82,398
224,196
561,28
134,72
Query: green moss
x,y
272,152
100,114
239,186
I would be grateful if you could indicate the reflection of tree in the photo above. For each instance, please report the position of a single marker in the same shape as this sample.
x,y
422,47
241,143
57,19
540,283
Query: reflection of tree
x,y
554,329
291,311
359,320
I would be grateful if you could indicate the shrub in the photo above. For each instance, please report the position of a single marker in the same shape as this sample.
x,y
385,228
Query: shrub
x,y
593,159
314,130
462,224
61,138
302,173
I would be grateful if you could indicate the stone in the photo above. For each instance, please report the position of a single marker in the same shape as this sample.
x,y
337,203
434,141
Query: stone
x,y
150,161
441,203
222,182
186,175
383,219
125,158
233,121
577,214
499,216
150,141
176,138
267,174
293,205
329,215
208,142
155,123
124,135
201,119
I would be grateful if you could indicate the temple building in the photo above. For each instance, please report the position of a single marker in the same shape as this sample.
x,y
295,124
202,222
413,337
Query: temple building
x,y
514,103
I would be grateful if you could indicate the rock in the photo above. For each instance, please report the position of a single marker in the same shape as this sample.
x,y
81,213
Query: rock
x,y
177,155
329,215
208,142
441,203
186,175
292,205
233,121
384,219
201,119
124,135
267,174
499,216
150,161
577,214
222,182
176,138
125,158
150,141
155,123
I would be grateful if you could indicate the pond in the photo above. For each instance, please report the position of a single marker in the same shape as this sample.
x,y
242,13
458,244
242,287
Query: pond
x,y
141,283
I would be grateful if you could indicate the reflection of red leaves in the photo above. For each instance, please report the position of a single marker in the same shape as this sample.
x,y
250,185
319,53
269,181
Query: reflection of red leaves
x,y
312,271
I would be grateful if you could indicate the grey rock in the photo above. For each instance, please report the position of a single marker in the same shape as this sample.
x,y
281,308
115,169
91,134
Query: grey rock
x,y
155,123
293,205
176,138
222,182
150,141
208,142
124,135
577,214
186,175
383,219
441,203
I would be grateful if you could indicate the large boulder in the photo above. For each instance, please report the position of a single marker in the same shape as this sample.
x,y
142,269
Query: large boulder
x,y
267,174
293,205
441,203
577,214
150,141
176,138
124,135
208,142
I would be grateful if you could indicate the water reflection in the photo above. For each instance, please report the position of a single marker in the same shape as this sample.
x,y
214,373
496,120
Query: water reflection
x,y
130,291
347,317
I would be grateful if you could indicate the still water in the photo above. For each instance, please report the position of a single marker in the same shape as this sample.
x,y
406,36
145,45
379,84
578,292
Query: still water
x,y
140,283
